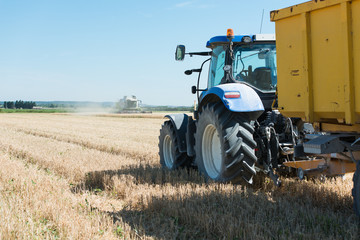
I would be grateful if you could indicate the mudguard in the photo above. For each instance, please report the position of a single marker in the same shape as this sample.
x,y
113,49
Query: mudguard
x,y
180,122
248,102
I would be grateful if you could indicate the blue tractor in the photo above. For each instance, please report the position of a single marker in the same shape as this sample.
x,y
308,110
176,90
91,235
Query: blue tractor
x,y
234,132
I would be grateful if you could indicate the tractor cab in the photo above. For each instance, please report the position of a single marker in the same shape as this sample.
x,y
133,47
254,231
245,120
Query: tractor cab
x,y
243,59
219,138
254,62
250,59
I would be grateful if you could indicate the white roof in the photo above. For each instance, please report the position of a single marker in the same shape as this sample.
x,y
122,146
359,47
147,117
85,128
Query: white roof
x,y
264,37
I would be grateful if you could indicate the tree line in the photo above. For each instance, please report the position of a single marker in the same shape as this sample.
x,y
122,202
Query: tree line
x,y
19,104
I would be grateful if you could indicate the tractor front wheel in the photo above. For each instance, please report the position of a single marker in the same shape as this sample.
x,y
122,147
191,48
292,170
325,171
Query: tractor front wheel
x,y
170,156
224,144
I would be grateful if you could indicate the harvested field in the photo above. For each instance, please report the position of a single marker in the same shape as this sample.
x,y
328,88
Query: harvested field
x,y
98,177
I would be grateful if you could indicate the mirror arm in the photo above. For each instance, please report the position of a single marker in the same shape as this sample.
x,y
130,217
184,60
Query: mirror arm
x,y
199,53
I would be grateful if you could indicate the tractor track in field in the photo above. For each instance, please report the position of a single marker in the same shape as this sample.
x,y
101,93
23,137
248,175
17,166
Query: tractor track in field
x,y
84,181
88,145
44,201
28,158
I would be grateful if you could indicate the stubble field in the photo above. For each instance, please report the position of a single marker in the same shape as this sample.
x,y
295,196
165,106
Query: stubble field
x,y
99,177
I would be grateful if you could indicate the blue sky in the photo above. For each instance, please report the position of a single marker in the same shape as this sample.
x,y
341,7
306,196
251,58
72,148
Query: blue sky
x,y
92,50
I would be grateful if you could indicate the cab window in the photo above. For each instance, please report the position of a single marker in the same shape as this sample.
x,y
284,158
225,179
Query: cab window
x,y
216,67
256,65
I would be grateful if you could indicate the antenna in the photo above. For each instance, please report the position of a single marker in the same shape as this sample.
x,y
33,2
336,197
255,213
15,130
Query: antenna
x,y
262,20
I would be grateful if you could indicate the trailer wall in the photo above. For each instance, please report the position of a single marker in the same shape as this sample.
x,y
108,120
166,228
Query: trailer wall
x,y
318,60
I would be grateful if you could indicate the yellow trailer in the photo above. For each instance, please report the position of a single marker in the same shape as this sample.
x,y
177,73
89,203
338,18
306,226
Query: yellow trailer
x,y
318,47
318,67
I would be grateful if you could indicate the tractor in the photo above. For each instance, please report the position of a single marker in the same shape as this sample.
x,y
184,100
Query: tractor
x,y
290,111
234,133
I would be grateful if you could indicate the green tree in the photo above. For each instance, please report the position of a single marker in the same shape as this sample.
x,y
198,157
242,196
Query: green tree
x,y
10,105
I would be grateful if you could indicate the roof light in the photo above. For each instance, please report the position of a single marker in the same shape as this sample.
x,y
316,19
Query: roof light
x,y
233,94
230,34
246,39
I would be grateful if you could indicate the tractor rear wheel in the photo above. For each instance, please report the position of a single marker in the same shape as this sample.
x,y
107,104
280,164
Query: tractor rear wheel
x,y
356,189
170,156
224,144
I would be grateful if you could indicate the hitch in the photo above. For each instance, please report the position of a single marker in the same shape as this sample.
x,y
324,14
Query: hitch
x,y
269,171
275,178
268,167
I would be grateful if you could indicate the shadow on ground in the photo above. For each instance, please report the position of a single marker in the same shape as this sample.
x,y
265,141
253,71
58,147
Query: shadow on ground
x,y
142,174
238,214
298,210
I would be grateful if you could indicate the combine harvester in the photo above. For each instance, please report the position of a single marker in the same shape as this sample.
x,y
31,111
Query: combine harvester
x,y
289,109
130,104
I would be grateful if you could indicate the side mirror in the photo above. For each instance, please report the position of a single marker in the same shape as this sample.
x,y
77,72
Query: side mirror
x,y
180,53
193,89
189,72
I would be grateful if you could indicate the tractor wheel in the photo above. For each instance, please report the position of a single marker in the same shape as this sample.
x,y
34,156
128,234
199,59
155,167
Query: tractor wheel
x,y
224,144
170,156
356,189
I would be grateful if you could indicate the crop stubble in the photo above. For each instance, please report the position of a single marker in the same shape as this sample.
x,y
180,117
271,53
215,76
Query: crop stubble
x,y
72,176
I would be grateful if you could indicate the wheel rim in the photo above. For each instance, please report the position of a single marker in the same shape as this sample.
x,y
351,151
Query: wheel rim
x,y
168,153
211,151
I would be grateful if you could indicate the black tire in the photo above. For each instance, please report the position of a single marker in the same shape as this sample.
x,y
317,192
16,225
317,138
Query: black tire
x,y
170,156
224,144
356,189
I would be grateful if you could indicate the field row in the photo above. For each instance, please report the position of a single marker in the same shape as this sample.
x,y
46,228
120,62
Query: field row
x,y
105,172
132,136
35,204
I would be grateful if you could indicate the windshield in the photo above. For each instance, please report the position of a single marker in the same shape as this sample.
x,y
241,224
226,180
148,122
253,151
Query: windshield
x,y
254,64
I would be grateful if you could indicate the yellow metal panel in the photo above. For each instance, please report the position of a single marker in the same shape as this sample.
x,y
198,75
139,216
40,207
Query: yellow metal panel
x,y
290,46
305,164
356,54
318,46
327,60
349,97
328,127
308,69
340,167
335,166
303,7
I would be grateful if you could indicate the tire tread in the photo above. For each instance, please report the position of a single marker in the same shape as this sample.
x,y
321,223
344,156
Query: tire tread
x,y
236,135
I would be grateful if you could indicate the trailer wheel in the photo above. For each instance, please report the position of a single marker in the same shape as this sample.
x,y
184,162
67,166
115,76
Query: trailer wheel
x,y
224,144
170,156
356,189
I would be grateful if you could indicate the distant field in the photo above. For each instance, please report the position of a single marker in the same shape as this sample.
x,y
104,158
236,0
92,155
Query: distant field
x,y
81,176
49,110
